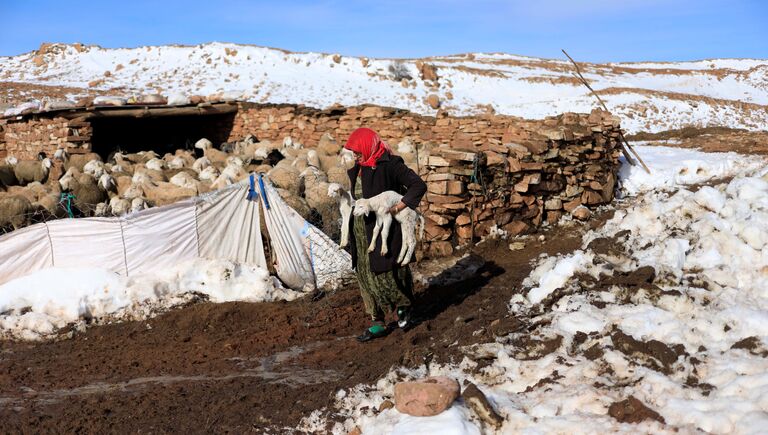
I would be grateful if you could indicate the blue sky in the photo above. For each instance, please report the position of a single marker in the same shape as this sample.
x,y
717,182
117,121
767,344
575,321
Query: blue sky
x,y
591,30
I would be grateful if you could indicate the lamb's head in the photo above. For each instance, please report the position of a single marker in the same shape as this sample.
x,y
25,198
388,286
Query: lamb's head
x,y
67,182
347,158
107,183
138,204
261,153
155,164
201,163
95,168
210,173
47,164
362,207
334,190
61,155
235,161
203,144
313,159
176,163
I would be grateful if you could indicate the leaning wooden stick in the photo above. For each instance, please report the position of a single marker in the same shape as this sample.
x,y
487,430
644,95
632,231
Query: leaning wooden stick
x,y
623,141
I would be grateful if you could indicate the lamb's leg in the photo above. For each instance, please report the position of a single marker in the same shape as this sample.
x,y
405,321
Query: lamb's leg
x,y
345,212
405,229
376,230
386,224
409,243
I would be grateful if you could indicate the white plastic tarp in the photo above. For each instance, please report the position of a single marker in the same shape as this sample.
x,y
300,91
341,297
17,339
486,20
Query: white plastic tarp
x,y
154,239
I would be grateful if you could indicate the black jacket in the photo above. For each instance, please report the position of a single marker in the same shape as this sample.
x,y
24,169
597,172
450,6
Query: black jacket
x,y
390,173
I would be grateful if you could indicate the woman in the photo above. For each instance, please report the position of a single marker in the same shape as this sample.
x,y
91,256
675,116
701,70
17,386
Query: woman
x,y
384,285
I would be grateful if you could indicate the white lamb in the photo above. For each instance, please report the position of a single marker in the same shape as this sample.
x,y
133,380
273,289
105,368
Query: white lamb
x,y
346,202
408,218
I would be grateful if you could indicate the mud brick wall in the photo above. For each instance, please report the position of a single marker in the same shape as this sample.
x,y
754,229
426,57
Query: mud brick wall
x,y
25,139
484,173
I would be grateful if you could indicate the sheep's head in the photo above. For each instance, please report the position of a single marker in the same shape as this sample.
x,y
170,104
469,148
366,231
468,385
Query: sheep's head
x,y
94,167
347,159
155,164
334,190
313,159
210,173
261,153
138,204
176,163
362,207
235,161
201,163
61,155
107,183
203,144
47,164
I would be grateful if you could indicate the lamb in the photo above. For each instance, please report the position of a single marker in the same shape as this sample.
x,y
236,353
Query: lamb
x,y
14,211
345,208
119,206
33,170
408,218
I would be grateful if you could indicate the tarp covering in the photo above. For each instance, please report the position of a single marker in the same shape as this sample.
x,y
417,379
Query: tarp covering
x,y
224,224
219,225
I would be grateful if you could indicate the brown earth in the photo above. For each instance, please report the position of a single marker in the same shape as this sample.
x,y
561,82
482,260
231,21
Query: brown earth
x,y
250,367
709,139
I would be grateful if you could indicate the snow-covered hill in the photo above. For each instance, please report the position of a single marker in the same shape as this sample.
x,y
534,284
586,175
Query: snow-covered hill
x,y
648,96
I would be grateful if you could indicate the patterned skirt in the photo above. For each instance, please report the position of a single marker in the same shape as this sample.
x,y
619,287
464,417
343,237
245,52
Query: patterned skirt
x,y
384,292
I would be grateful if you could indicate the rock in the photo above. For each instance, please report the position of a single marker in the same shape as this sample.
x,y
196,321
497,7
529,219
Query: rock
x,y
426,397
516,246
479,404
433,101
427,71
356,431
337,58
387,404
581,213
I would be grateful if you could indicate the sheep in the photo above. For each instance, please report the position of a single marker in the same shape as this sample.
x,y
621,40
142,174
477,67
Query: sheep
x,y
201,164
231,174
328,145
101,209
33,170
183,179
339,175
51,203
95,168
176,163
155,164
166,193
286,178
408,218
87,192
79,160
345,208
119,206
8,175
214,155
347,158
143,174
107,183
209,174
68,179
313,159
138,204
14,211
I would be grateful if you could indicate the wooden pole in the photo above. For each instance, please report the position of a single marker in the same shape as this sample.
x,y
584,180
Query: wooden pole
x,y
623,141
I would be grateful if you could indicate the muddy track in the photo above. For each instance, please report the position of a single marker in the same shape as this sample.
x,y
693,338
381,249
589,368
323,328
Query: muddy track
x,y
240,367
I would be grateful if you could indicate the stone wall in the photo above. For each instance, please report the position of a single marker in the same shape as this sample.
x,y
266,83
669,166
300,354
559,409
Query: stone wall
x,y
25,139
485,173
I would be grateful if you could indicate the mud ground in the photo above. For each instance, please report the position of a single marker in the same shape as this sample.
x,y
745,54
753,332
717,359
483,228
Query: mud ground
x,y
251,367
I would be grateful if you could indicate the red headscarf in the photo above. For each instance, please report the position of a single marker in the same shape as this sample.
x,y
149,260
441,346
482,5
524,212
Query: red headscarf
x,y
366,142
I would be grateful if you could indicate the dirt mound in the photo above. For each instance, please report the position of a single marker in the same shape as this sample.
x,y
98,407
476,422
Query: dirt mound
x,y
632,410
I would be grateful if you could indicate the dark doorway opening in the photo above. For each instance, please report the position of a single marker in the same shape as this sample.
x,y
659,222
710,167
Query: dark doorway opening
x,y
161,134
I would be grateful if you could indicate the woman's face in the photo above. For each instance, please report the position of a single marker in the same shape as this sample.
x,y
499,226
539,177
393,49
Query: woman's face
x,y
358,156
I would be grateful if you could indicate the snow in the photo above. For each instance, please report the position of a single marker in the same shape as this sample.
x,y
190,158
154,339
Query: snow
x,y
708,250
649,97
672,167
37,305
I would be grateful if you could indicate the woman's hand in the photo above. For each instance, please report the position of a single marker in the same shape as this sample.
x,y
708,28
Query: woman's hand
x,y
397,208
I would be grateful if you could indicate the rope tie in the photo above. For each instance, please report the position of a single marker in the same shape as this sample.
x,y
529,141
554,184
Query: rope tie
x,y
65,200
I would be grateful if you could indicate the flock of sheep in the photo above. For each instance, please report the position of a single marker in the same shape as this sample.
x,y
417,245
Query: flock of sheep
x,y
310,180
130,182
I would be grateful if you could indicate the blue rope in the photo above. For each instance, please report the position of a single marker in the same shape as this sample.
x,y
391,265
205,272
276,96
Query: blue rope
x,y
263,193
67,197
252,195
